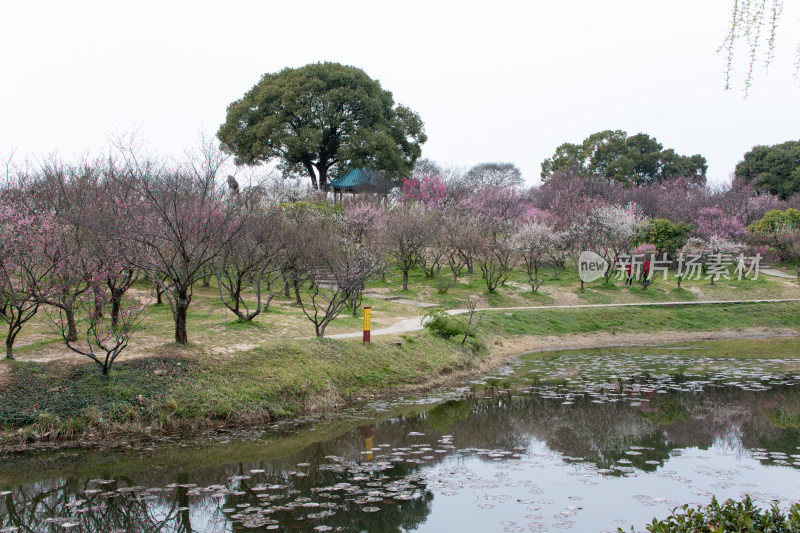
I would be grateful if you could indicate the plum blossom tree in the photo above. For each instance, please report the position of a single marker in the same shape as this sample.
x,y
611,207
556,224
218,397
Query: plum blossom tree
x,y
180,224
614,228
73,275
717,249
26,244
250,261
104,340
580,235
713,221
462,237
568,197
336,271
496,260
363,218
408,231
536,244
496,175
497,209
432,257
743,202
427,190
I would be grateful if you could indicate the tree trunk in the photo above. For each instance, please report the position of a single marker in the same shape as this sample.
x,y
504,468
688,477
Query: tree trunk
x,y
323,177
10,346
98,303
181,307
269,300
297,292
72,329
405,280
159,293
311,174
116,300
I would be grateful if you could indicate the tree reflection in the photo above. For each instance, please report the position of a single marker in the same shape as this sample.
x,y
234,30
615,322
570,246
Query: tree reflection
x,y
640,430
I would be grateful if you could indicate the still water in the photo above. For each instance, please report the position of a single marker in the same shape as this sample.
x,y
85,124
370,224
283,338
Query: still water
x,y
587,440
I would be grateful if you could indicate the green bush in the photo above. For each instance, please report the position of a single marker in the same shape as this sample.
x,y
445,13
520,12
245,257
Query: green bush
x,y
667,237
732,516
444,325
775,222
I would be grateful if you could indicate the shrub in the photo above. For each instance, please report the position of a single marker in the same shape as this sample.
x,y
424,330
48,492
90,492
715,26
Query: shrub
x,y
444,325
443,285
731,516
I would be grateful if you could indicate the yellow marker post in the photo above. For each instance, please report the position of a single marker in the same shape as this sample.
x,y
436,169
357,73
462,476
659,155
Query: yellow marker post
x,y
368,443
367,317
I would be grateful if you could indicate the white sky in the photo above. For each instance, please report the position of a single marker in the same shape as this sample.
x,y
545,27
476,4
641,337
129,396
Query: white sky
x,y
493,81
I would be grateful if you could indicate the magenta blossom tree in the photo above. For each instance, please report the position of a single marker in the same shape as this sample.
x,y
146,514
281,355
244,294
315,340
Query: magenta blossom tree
x,y
429,190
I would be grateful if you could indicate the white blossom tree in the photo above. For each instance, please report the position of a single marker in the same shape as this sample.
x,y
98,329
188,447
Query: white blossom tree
x,y
536,244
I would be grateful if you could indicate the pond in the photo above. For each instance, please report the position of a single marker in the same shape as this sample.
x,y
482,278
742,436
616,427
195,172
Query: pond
x,y
581,440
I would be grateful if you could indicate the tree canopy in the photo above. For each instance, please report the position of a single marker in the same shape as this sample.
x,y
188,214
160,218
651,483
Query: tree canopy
x,y
635,160
775,169
320,120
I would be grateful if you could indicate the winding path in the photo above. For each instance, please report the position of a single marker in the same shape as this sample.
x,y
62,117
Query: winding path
x,y
416,323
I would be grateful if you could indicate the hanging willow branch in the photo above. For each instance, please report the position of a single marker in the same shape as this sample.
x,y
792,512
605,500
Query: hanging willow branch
x,y
750,21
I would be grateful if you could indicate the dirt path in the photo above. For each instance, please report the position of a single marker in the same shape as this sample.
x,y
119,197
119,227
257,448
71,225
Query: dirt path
x,y
417,323
535,343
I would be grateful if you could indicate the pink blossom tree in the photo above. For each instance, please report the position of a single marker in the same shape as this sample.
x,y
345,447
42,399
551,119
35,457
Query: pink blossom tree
x,y
104,341
26,244
180,225
364,218
499,210
713,221
408,231
251,261
337,271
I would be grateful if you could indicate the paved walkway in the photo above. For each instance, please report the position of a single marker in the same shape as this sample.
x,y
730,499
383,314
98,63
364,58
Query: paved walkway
x,y
416,323
776,273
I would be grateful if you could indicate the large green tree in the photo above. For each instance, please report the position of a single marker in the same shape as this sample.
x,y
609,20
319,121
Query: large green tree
x,y
322,119
613,155
772,168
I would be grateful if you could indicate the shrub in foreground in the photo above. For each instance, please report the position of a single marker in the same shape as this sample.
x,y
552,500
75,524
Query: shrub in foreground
x,y
731,516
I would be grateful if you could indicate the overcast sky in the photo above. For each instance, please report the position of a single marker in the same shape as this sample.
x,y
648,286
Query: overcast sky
x,y
493,81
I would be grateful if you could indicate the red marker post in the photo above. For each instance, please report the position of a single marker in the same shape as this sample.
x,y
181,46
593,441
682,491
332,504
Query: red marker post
x,y
367,316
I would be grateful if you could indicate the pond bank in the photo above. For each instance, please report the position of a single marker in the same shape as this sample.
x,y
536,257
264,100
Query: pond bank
x,y
146,397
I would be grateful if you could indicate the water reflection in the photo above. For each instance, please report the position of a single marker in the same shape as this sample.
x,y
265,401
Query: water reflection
x,y
584,451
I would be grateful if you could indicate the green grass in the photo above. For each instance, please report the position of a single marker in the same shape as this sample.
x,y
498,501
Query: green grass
x,y
643,319
276,381
284,377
